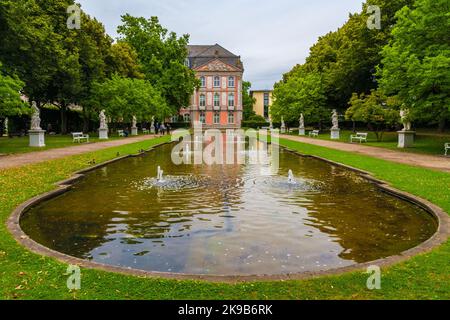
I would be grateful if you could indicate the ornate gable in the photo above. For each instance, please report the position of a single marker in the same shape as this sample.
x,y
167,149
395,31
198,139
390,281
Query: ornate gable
x,y
217,66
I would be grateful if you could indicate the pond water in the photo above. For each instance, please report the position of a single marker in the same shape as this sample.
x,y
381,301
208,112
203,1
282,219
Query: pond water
x,y
227,219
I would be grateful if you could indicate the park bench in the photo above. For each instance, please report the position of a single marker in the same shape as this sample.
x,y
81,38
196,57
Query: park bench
x,y
314,133
447,147
121,133
79,136
361,137
145,131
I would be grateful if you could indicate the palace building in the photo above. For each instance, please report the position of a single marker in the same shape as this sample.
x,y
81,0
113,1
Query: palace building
x,y
218,102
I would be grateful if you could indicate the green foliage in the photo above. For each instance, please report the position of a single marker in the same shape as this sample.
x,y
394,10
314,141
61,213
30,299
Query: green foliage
x,y
247,101
301,93
416,62
162,56
10,102
375,109
123,98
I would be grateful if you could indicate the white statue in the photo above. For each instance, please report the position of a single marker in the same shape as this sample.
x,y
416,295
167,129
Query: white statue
x,y
302,121
35,117
283,125
134,122
335,120
6,127
103,124
404,115
271,125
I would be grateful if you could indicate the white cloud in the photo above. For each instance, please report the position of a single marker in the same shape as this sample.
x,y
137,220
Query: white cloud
x,y
270,36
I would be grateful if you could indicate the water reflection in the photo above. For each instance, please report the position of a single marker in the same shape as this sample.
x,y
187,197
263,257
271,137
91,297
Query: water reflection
x,y
227,219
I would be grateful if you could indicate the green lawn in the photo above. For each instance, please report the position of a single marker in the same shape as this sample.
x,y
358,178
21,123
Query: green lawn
x,y
24,275
426,142
20,145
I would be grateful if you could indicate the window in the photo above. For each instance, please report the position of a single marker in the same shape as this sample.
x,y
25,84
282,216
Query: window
x,y
216,117
216,82
203,82
202,100
187,117
230,117
202,117
266,105
187,63
231,82
216,100
231,100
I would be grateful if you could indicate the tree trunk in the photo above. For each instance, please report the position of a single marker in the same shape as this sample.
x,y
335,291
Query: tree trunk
x,y
63,119
442,123
86,120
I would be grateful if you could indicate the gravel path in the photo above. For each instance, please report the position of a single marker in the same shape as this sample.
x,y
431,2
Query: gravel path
x,y
440,163
11,161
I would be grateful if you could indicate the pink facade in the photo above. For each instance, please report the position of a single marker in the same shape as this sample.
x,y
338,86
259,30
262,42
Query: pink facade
x,y
218,102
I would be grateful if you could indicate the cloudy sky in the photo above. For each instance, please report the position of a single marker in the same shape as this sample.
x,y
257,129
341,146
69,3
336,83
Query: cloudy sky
x,y
271,36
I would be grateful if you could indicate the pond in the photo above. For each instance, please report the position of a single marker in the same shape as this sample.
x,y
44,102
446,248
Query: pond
x,y
227,219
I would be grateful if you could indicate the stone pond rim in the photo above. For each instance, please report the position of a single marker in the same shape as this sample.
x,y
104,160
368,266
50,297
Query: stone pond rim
x,y
440,237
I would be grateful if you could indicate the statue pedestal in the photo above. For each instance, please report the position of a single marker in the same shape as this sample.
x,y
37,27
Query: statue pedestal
x,y
37,138
134,131
335,134
301,132
152,129
406,139
103,134
283,130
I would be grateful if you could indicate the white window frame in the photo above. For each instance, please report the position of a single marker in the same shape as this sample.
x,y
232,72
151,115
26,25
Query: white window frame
x,y
216,82
202,102
231,82
203,117
203,81
216,117
231,116
216,101
231,99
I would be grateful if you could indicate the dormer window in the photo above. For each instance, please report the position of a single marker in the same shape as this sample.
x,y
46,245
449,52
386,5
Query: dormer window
x,y
216,82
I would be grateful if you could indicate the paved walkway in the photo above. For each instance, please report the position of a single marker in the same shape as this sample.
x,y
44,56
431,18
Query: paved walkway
x,y
42,156
440,163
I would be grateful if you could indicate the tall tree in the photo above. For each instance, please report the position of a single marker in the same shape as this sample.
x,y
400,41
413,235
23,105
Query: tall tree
x,y
416,62
10,102
247,101
123,98
162,56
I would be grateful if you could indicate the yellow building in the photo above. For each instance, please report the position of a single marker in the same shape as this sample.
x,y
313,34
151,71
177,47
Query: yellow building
x,y
263,102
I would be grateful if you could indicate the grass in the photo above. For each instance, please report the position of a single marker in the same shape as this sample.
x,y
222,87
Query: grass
x,y
20,144
24,275
425,142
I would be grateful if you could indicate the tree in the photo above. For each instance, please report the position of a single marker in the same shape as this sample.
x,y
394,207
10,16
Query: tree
x,y
30,47
162,56
376,110
123,60
247,101
301,93
416,62
10,102
123,98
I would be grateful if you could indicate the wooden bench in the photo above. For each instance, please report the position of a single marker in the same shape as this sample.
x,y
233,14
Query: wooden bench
x,y
361,137
79,136
447,147
121,133
314,133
